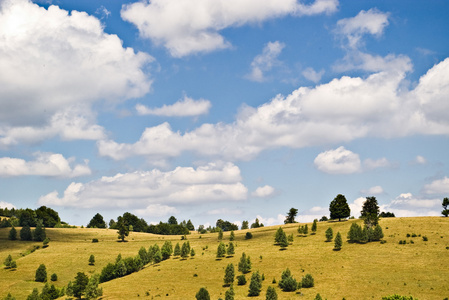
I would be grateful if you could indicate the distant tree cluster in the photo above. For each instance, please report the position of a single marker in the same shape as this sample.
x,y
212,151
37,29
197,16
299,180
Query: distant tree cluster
x,y
226,225
256,224
121,267
387,215
368,234
29,217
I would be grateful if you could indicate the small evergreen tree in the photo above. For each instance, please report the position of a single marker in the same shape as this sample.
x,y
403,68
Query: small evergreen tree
x,y
377,233
202,294
291,214
177,251
329,234
34,295
157,257
12,234
244,264
8,261
13,265
290,239
445,204
92,291
185,250
318,297
79,285
220,234
54,277
9,297
221,250
230,251
370,212
45,242
229,295
166,250
25,233
122,228
314,226
279,235
255,286
271,294
91,260
41,274
287,282
232,236
338,242
307,281
39,233
229,275
69,289
283,241
241,280
192,253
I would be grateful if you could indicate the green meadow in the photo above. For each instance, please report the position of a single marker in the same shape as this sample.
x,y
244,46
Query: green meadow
x,y
417,268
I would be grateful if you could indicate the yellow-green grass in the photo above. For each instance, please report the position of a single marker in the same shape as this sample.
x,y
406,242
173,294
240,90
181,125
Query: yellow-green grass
x,y
367,271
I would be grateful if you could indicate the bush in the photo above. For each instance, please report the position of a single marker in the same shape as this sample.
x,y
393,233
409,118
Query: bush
x,y
202,294
398,297
94,240
41,274
248,235
45,242
424,238
307,281
91,260
241,280
287,282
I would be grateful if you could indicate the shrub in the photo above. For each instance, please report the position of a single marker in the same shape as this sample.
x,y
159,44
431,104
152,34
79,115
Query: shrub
x,y
307,281
91,260
8,261
424,238
398,297
248,235
271,294
202,294
45,242
255,286
287,282
94,240
41,274
241,280
54,277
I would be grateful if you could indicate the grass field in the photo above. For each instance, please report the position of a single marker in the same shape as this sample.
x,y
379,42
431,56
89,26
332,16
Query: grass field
x,y
358,271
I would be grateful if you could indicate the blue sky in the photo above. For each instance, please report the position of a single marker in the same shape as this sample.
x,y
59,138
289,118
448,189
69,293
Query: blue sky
x,y
223,109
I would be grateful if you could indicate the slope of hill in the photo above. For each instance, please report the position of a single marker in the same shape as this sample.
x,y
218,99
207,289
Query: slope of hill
x,y
358,271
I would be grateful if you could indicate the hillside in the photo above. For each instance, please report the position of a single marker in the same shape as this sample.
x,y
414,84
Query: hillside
x,y
367,271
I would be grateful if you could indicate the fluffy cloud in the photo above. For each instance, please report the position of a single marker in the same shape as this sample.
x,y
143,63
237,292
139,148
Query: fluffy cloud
x,y
8,205
266,61
270,221
193,26
312,75
338,161
52,61
263,191
342,110
375,190
439,187
46,164
407,205
371,22
157,210
186,107
151,190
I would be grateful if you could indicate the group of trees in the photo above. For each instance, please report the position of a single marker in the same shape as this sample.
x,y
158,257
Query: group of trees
x,y
26,234
28,217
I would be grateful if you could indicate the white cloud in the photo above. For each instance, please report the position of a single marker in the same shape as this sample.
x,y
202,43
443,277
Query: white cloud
x,y
270,221
103,12
371,164
213,182
338,161
439,187
263,191
421,160
52,61
371,22
157,210
313,213
194,26
312,75
356,206
407,205
375,190
340,111
186,107
46,164
8,205
266,61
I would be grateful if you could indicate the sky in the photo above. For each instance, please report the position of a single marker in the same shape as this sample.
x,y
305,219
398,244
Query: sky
x,y
223,109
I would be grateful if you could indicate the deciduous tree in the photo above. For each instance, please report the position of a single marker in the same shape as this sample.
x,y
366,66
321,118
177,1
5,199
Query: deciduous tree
x,y
339,208
97,221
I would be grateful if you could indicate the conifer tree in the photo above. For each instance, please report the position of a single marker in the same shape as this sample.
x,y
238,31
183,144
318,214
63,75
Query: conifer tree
x,y
91,260
185,250
232,236
92,291
314,226
230,251
229,295
271,294
329,234
41,274
255,286
8,261
202,294
39,233
221,250
220,234
244,264
445,204
25,233
338,242
229,275
34,295
12,234
177,251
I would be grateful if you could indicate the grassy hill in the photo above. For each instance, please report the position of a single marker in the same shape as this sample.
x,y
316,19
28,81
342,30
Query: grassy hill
x,y
358,271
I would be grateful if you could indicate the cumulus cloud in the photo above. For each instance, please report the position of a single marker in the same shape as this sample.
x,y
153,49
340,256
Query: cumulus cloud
x,y
356,206
145,190
375,190
186,107
157,210
263,191
313,213
270,221
371,22
8,205
53,60
46,164
266,61
439,187
194,26
342,110
338,161
312,75
407,205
